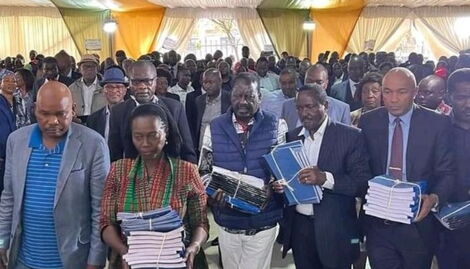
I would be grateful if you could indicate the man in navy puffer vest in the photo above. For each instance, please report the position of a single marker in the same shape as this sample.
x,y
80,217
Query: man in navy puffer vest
x,y
238,139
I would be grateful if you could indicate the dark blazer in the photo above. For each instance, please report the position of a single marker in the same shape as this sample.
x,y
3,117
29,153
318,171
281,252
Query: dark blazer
x,y
39,82
97,121
191,109
173,96
342,92
120,134
199,109
428,155
343,154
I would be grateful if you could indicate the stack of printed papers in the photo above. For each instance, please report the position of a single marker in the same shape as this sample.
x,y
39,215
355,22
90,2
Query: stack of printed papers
x,y
155,239
285,162
455,216
394,200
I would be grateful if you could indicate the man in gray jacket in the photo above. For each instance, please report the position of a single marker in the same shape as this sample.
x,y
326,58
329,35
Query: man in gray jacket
x,y
54,178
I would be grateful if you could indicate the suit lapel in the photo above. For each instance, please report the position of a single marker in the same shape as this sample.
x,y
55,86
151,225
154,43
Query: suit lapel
x,y
326,144
201,107
413,139
383,140
25,152
69,156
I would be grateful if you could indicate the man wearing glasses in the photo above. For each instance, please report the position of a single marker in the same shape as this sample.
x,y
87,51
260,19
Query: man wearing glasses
x,y
143,78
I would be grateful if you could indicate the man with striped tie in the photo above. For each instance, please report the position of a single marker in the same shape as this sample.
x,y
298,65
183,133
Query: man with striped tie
x,y
54,178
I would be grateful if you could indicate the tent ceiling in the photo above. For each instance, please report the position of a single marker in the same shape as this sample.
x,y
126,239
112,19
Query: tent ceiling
x,y
416,3
27,3
208,3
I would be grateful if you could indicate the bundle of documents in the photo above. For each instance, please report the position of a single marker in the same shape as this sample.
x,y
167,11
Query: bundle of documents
x,y
285,162
242,192
394,200
155,239
455,215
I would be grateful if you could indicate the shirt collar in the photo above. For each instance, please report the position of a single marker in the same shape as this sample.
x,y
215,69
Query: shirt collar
x,y
154,100
352,83
234,120
215,100
35,141
319,132
56,78
95,82
405,118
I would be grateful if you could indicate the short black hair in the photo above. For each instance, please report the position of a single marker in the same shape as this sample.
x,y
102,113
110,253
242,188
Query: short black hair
x,y
262,59
163,73
316,92
173,146
458,76
49,60
27,77
247,78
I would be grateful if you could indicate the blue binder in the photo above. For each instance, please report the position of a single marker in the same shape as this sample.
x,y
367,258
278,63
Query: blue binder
x,y
285,162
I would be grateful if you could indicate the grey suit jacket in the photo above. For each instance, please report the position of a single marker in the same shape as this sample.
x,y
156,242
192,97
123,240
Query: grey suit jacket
x,y
337,111
98,102
84,167
338,91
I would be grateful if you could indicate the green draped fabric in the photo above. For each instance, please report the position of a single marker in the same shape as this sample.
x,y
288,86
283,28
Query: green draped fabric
x,y
284,28
285,4
86,24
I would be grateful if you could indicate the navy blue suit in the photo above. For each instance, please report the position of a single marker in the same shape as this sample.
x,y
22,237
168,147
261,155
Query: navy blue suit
x,y
7,126
428,157
334,229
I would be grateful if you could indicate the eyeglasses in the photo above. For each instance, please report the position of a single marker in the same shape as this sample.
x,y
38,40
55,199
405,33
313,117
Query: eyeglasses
x,y
145,81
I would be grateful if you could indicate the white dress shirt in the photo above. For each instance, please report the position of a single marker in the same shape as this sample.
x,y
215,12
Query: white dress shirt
x,y
312,147
182,93
88,95
352,86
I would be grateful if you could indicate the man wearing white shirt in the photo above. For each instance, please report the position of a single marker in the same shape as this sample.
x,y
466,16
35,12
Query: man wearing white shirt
x,y
346,90
268,81
87,92
326,235
183,87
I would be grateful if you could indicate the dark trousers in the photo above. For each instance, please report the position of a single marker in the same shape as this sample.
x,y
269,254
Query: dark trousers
x,y
454,249
304,247
397,246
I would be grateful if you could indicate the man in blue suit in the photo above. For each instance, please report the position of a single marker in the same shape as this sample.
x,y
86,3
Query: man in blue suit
x,y
346,91
411,143
326,235
337,110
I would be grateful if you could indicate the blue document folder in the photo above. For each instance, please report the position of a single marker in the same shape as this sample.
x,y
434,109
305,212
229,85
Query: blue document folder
x,y
454,215
285,162
394,200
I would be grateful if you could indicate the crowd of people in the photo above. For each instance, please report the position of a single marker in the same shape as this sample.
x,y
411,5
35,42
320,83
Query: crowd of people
x,y
83,141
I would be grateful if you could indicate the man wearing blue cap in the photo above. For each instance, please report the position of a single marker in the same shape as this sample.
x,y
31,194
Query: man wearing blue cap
x,y
115,85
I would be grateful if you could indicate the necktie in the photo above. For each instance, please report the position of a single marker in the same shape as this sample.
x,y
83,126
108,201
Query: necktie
x,y
396,156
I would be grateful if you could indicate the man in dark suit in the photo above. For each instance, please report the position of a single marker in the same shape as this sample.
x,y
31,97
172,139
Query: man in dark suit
x,y
142,80
210,105
50,71
346,91
65,62
453,251
326,235
114,88
410,143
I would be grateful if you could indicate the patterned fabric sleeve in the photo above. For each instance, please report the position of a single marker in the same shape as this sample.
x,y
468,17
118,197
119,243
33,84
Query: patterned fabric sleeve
x,y
197,199
109,200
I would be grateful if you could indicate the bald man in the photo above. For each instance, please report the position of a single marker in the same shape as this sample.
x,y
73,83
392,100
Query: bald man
x,y
409,143
431,93
54,178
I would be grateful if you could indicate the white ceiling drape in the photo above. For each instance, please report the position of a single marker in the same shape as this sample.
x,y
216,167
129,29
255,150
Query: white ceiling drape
x,y
208,3
416,3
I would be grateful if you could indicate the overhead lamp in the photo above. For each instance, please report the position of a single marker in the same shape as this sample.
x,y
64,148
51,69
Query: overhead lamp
x,y
308,25
110,26
461,27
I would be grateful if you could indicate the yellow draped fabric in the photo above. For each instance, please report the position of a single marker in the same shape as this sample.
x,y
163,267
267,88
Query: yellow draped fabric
x,y
86,25
277,21
137,30
39,28
333,30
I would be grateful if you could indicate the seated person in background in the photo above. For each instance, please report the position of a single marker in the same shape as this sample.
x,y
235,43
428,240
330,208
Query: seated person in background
x,y
114,88
370,89
136,185
183,86
273,101
87,93
163,79
431,93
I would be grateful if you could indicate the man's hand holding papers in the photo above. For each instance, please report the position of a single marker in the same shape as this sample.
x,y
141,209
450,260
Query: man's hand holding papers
x,y
312,175
428,202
